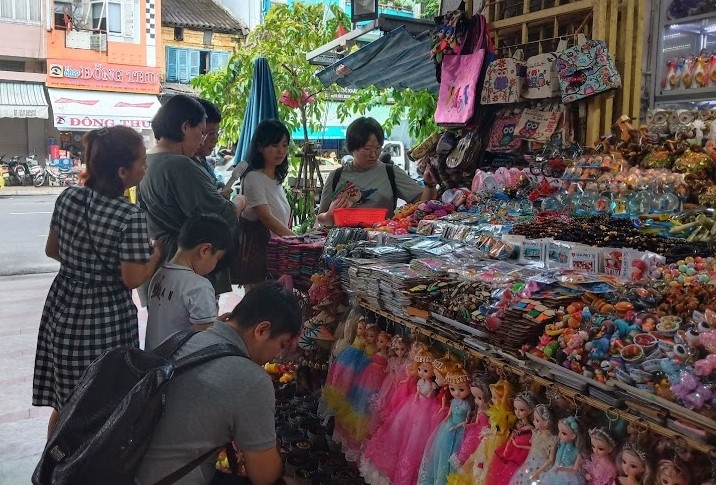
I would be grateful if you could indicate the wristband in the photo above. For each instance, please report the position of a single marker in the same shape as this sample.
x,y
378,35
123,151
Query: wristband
x,y
431,186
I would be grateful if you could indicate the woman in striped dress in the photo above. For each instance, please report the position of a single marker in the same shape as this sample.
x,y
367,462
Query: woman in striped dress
x,y
102,244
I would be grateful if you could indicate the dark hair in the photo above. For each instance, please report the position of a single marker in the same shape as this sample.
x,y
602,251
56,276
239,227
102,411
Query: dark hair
x,y
269,301
169,119
106,151
359,131
205,228
213,115
269,132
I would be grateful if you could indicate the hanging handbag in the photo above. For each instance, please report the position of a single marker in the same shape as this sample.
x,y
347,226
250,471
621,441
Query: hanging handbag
x,y
586,69
460,80
542,79
502,134
539,125
465,153
504,80
449,35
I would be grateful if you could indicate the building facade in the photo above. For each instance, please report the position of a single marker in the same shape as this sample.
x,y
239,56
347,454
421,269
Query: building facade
x,y
199,37
23,106
103,61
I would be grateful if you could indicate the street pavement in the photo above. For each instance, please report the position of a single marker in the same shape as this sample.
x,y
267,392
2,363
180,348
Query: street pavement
x,y
25,277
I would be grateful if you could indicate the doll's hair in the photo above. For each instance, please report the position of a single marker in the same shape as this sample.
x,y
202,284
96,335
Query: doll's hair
x,y
446,364
394,342
373,328
527,398
386,336
670,467
580,438
646,477
505,391
601,434
421,357
544,412
480,382
457,375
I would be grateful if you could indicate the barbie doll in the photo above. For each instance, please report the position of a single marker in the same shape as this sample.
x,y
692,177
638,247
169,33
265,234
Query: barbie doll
x,y
442,367
480,390
670,473
567,461
394,452
513,453
502,419
396,372
342,370
543,446
447,438
599,469
633,467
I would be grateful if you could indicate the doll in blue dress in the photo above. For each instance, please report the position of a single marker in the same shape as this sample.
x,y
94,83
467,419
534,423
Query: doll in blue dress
x,y
567,459
447,438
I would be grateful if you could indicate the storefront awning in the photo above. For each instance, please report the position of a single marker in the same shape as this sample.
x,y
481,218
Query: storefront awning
x,y
76,110
23,100
397,59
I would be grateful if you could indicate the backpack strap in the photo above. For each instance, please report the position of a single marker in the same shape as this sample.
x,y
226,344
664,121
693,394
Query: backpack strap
x,y
167,348
391,178
337,178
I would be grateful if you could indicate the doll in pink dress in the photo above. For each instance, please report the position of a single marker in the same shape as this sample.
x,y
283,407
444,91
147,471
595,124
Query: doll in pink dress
x,y
355,423
396,372
600,469
480,390
393,453
542,447
512,454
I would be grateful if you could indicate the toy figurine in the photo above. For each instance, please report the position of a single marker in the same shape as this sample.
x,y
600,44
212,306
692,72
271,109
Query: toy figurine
x,y
599,469
671,80
567,459
397,367
542,447
701,65
633,466
342,370
687,78
448,437
670,473
406,432
480,390
511,455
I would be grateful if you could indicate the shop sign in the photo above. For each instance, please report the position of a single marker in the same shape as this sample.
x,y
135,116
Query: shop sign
x,y
100,76
40,112
85,123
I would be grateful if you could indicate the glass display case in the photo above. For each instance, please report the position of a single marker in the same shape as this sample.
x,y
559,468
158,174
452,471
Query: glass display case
x,y
686,53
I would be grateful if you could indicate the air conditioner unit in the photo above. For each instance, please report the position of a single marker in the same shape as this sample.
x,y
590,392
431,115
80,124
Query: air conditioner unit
x,y
98,42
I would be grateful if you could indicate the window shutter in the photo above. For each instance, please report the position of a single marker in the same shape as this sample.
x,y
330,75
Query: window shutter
x,y
172,74
215,61
183,65
224,60
194,63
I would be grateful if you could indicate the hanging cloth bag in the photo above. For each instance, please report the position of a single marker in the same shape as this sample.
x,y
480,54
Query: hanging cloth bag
x,y
502,135
539,125
586,69
504,80
460,79
542,79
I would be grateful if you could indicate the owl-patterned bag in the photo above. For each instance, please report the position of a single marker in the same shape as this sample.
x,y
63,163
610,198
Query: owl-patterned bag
x,y
542,80
504,80
586,69
538,125
502,135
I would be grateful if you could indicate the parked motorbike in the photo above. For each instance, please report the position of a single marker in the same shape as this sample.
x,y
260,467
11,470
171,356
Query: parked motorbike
x,y
18,172
37,172
61,177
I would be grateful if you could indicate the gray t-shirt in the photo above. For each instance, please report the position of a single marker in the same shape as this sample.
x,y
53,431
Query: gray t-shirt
x,y
375,188
226,399
178,298
259,189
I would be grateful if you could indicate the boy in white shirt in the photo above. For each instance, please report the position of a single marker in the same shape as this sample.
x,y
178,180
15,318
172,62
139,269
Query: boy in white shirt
x,y
179,295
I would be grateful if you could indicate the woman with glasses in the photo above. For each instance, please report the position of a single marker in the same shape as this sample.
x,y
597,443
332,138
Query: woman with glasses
x,y
176,187
366,181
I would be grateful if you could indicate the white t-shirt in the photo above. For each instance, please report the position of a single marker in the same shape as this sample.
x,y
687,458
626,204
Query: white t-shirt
x,y
259,189
178,299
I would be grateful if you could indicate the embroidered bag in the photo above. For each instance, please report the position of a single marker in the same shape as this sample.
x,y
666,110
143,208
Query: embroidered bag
x,y
502,135
460,79
504,80
538,125
542,80
449,35
586,69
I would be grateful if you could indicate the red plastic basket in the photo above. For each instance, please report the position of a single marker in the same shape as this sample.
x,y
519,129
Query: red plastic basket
x,y
358,217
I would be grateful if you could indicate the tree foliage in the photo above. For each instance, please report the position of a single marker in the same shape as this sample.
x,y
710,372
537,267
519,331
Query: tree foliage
x,y
284,38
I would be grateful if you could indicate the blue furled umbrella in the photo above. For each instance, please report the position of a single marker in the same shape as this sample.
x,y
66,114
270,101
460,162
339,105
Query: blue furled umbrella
x,y
261,106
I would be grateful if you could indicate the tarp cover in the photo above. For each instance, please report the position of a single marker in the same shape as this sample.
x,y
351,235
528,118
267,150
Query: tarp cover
x,y
397,59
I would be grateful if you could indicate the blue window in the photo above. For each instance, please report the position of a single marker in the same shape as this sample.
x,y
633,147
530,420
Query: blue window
x,y
182,65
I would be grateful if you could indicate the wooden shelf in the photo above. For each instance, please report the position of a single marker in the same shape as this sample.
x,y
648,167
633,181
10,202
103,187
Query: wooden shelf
x,y
533,374
693,18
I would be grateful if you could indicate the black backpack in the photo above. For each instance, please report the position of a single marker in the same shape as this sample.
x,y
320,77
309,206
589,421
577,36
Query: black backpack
x,y
107,423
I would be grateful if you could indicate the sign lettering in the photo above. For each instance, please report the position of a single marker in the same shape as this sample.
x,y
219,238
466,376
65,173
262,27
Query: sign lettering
x,y
102,76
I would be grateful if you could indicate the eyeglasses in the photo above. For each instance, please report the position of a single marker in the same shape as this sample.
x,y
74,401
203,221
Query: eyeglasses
x,y
368,149
212,134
